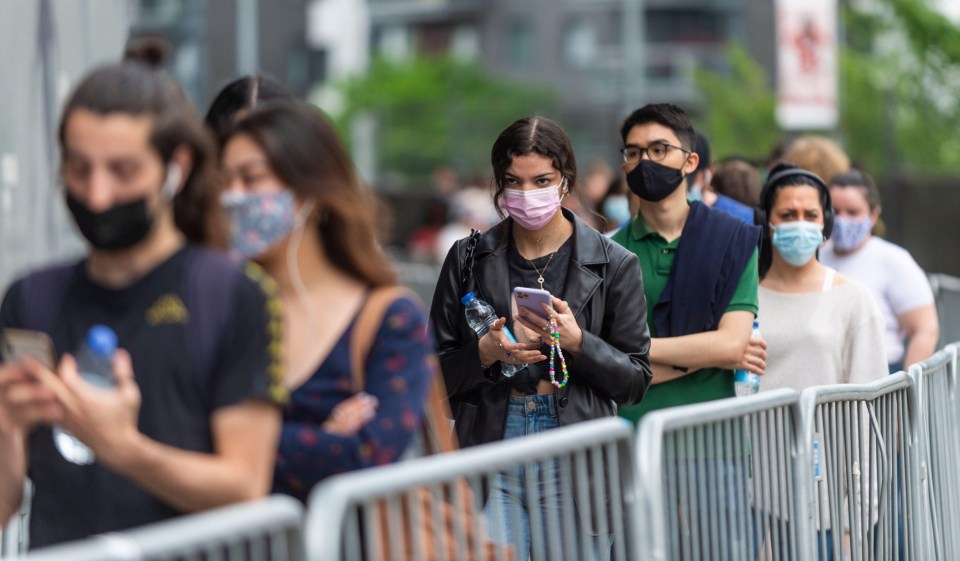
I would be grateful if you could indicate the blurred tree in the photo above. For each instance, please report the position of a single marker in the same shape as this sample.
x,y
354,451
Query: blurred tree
x,y
740,108
436,111
899,71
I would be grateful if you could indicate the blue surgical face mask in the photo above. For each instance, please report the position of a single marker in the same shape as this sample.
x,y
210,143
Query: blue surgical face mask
x,y
695,193
797,241
259,220
849,233
617,209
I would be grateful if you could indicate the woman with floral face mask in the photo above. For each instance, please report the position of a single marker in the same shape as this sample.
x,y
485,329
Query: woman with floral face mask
x,y
821,328
899,285
299,211
585,352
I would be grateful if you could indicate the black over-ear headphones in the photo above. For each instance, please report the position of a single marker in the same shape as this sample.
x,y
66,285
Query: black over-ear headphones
x,y
760,213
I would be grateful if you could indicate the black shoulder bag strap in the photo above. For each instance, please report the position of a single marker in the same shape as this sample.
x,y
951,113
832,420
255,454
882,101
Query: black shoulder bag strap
x,y
466,267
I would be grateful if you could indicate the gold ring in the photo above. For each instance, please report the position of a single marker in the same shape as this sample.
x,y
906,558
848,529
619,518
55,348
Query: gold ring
x,y
546,327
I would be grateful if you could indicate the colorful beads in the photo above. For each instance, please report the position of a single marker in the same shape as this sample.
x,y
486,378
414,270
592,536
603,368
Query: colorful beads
x,y
555,350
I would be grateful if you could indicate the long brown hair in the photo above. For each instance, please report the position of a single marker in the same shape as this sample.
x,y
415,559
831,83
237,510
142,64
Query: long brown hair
x,y
306,155
134,87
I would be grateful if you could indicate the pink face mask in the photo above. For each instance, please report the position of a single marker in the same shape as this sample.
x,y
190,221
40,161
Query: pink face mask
x,y
532,209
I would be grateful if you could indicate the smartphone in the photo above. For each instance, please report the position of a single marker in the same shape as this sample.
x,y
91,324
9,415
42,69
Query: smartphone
x,y
18,343
532,298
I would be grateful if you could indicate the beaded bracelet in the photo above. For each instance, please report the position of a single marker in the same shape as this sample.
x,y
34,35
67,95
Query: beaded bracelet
x,y
555,350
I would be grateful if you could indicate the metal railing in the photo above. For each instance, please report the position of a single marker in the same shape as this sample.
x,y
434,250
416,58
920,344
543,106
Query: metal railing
x,y
936,381
859,472
266,530
720,480
582,472
946,293
866,480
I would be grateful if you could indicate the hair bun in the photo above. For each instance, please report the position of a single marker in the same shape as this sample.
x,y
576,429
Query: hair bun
x,y
150,50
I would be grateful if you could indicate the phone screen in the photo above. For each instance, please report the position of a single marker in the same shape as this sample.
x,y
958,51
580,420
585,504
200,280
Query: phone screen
x,y
15,344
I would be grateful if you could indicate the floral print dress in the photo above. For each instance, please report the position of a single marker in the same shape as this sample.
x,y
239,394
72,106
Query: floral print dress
x,y
397,373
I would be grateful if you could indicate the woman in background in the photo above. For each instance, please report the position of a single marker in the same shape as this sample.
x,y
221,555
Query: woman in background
x,y
299,210
899,285
820,327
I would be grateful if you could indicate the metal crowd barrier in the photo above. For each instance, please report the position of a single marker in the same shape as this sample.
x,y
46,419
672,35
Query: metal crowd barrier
x,y
866,479
936,380
14,537
403,511
946,293
721,481
266,530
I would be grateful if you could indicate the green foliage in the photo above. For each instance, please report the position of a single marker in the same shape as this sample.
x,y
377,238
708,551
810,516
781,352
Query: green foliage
x,y
740,108
899,72
434,111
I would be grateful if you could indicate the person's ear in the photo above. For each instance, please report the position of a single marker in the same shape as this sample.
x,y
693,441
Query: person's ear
x,y
693,160
875,216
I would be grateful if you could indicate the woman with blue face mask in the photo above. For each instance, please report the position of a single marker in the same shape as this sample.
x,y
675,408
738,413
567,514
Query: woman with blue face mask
x,y
299,210
898,283
820,327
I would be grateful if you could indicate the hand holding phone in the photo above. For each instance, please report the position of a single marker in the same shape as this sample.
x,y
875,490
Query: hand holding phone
x,y
15,344
533,299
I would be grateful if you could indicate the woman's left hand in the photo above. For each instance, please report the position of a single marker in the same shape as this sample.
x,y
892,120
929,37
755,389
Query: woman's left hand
x,y
571,336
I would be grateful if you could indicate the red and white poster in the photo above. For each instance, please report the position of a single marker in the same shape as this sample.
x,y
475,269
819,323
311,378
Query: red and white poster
x,y
807,64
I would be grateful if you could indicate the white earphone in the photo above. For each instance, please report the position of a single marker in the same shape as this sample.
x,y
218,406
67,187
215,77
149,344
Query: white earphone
x,y
171,185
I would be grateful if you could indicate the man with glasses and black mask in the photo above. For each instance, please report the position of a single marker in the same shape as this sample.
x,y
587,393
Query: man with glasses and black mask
x,y
192,419
699,268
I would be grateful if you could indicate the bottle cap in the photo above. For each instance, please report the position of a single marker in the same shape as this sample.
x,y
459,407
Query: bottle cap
x,y
102,340
756,324
467,298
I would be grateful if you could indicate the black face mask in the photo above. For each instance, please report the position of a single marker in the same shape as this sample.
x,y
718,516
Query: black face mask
x,y
652,181
121,227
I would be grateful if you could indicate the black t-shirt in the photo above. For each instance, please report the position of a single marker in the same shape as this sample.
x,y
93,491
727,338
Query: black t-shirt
x,y
524,273
185,365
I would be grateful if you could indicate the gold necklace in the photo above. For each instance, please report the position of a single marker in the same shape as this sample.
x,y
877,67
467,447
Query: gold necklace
x,y
538,242
539,272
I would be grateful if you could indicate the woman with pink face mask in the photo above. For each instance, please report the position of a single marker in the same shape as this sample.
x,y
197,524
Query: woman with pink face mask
x,y
585,352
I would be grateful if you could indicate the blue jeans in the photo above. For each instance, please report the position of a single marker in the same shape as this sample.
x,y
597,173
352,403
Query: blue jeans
x,y
511,511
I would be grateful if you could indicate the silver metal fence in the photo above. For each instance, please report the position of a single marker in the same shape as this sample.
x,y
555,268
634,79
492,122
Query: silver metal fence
x,y
936,380
946,292
445,507
866,480
721,481
267,530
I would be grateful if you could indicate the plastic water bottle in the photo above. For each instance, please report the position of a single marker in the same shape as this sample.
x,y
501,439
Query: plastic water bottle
x,y
480,317
744,381
95,365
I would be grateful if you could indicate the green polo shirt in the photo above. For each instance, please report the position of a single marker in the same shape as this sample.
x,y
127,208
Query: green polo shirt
x,y
656,259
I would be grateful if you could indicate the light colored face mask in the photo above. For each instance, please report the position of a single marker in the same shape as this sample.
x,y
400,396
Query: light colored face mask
x,y
617,209
535,208
797,241
849,234
259,220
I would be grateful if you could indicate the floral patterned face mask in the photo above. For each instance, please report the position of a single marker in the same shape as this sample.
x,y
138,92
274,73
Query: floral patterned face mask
x,y
259,220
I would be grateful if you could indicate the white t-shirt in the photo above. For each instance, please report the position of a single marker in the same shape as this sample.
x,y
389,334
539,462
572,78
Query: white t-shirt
x,y
896,281
820,338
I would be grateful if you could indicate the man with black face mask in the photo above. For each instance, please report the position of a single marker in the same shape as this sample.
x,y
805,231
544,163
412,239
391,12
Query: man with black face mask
x,y
699,268
192,419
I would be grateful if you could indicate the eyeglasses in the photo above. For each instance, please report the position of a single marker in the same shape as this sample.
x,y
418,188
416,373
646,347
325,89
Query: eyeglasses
x,y
657,151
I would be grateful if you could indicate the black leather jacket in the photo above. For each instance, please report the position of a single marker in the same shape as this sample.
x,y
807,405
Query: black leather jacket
x,y
605,292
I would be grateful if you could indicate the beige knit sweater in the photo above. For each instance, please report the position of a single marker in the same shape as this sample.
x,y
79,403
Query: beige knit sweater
x,y
818,338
